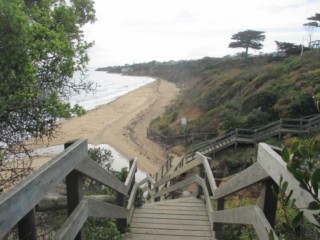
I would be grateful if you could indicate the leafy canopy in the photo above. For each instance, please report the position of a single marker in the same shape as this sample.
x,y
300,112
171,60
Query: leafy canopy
x,y
41,46
247,39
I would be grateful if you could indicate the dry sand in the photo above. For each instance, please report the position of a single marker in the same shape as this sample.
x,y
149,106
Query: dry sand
x,y
123,124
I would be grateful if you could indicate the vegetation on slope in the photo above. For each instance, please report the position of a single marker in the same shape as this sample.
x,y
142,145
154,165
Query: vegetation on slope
x,y
219,95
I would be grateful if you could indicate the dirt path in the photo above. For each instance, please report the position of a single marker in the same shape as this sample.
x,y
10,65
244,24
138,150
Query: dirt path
x,y
123,124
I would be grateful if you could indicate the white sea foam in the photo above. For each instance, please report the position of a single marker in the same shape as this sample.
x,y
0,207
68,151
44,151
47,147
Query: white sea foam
x,y
108,88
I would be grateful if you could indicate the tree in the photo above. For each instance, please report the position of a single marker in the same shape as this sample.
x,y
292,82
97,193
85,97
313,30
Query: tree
x,y
41,46
310,26
288,48
248,39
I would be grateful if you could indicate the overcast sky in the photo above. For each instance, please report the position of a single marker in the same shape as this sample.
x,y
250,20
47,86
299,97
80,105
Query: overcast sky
x,y
137,31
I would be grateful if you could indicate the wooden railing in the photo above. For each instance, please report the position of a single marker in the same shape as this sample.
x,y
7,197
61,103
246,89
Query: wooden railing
x,y
253,136
268,170
17,204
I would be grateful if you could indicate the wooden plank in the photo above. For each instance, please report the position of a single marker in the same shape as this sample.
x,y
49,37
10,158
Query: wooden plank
x,y
105,210
19,200
171,232
178,172
162,237
74,183
27,226
176,186
174,204
170,216
171,211
171,221
205,163
177,207
252,175
276,168
131,175
193,227
74,222
252,215
93,170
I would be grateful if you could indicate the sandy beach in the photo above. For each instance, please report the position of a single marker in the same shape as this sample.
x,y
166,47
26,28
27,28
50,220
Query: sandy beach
x,y
123,124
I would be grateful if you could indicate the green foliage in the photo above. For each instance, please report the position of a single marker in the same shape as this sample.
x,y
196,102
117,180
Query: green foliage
x,y
248,39
41,47
288,48
139,200
123,174
101,229
302,161
238,232
103,157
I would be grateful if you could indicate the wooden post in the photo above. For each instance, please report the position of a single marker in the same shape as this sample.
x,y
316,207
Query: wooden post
x,y
268,201
217,227
309,126
236,142
27,226
280,128
202,174
134,177
74,184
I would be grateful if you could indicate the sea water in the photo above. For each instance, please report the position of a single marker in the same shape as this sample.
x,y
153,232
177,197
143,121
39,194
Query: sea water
x,y
108,87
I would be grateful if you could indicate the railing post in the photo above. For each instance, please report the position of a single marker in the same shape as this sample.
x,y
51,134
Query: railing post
x,y
255,137
236,142
268,200
217,227
202,174
309,126
74,184
120,201
27,226
280,128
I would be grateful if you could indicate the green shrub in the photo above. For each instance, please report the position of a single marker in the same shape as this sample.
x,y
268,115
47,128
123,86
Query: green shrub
x,y
262,100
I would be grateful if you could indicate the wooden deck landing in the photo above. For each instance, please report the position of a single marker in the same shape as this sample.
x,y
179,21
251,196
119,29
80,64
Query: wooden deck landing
x,y
183,218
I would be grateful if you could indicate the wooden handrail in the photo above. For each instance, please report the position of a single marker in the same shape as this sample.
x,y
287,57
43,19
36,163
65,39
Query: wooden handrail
x,y
251,215
19,200
284,125
269,165
23,197
88,208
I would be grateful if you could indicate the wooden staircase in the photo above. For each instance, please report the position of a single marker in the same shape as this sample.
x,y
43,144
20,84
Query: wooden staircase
x,y
305,125
182,218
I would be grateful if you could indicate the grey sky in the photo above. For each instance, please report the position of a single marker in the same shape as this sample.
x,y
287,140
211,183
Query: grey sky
x,y
130,31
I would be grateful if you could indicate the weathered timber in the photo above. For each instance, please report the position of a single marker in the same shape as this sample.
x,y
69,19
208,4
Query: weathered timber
x,y
93,170
208,172
181,223
250,176
177,226
27,226
268,200
106,210
252,215
54,203
19,200
133,236
74,223
74,184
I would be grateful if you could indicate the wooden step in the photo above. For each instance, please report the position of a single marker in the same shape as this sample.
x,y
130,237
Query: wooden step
x,y
183,218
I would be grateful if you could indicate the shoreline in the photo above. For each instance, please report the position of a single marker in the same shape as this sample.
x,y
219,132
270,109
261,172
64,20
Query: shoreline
x,y
123,123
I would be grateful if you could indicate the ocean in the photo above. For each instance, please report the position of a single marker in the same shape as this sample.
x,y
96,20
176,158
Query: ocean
x,y
108,87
